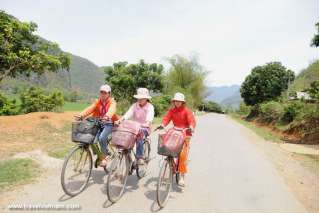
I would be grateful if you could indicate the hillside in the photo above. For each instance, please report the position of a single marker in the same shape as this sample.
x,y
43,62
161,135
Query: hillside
x,y
86,77
218,94
232,101
306,76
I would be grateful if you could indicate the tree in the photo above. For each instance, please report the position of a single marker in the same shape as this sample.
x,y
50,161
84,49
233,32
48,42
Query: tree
x,y
315,39
125,78
21,51
266,83
314,90
187,76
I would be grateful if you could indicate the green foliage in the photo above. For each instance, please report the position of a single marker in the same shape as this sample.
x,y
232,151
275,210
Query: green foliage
x,y
210,106
17,171
291,111
74,106
73,96
8,107
186,76
125,79
21,51
306,77
314,90
161,104
122,106
244,109
271,111
266,83
315,39
35,100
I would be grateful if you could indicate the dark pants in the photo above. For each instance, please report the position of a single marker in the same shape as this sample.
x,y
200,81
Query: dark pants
x,y
139,145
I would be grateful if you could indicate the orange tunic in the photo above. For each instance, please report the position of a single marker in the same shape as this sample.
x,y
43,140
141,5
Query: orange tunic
x,y
95,109
181,117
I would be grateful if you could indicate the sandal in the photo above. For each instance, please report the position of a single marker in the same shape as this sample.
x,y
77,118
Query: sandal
x,y
103,162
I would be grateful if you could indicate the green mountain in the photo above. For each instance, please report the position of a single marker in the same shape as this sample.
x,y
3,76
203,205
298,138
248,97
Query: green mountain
x,y
84,76
306,77
232,101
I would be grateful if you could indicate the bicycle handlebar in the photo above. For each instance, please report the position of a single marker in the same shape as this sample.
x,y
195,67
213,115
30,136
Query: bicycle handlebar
x,y
180,129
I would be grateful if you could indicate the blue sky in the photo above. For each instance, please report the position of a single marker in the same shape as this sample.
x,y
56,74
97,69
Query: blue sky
x,y
229,36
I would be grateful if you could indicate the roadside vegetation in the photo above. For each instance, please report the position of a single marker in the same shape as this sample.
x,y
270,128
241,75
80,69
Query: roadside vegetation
x,y
277,100
16,172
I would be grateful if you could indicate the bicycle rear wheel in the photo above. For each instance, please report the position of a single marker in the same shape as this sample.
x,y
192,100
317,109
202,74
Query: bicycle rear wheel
x,y
141,170
164,183
117,178
76,170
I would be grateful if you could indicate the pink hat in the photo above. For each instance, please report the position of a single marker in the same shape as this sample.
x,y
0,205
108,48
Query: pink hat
x,y
142,93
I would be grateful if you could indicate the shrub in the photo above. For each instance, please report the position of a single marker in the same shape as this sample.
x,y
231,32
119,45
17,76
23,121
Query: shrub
x,y
72,96
8,107
244,109
271,111
161,104
291,111
210,106
35,100
122,106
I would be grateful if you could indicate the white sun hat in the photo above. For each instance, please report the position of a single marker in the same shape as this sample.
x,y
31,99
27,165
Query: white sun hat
x,y
179,97
142,93
105,88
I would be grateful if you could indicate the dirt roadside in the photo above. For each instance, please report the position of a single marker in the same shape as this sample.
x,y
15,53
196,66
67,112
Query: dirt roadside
x,y
303,180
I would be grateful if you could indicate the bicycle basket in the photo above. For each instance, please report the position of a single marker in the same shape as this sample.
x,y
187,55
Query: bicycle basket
x,y
84,131
125,134
171,143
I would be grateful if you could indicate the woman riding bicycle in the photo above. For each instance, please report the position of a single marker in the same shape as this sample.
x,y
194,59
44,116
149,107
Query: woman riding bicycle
x,y
105,109
182,117
142,112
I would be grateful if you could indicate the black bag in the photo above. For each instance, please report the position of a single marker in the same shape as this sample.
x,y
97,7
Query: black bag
x,y
84,131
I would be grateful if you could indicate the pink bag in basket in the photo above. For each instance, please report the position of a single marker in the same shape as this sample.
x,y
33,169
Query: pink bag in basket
x,y
125,134
171,143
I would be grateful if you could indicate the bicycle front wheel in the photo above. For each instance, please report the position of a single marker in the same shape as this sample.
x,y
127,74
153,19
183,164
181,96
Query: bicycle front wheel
x,y
164,183
76,170
117,178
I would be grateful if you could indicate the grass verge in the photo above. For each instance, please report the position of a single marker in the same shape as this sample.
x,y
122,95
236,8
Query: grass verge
x,y
261,131
15,172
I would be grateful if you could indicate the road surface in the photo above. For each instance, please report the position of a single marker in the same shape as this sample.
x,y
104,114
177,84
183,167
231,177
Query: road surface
x,y
228,174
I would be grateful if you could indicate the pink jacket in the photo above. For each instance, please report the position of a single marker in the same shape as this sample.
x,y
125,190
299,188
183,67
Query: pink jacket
x,y
144,115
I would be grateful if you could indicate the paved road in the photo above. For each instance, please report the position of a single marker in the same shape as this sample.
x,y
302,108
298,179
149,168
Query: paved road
x,y
228,174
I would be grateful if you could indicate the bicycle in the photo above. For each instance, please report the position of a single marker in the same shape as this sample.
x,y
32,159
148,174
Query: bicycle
x,y
124,165
168,169
78,164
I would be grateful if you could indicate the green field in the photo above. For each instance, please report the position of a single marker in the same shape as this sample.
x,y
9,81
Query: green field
x,y
74,106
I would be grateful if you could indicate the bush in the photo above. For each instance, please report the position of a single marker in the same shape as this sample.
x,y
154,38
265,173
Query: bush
x,y
8,107
271,111
210,106
72,96
35,100
291,111
244,109
122,106
161,104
